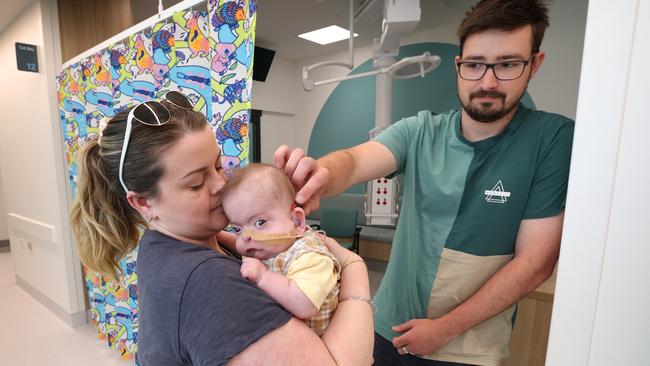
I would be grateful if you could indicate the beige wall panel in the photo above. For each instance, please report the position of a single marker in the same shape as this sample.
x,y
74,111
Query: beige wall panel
x,y
85,23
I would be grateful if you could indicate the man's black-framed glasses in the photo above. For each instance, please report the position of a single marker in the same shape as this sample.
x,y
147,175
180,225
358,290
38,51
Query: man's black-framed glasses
x,y
504,70
150,113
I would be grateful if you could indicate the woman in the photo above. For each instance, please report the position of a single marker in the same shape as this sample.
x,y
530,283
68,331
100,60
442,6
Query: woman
x,y
158,167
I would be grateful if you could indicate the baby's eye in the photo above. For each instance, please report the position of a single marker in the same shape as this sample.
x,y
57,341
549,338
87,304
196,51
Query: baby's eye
x,y
259,223
236,230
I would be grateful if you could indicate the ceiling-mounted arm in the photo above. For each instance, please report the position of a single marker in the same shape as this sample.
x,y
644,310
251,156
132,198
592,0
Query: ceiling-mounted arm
x,y
406,68
351,40
309,84
400,17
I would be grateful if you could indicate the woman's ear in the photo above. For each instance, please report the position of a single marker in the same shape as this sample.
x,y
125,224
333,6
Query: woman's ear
x,y
298,217
140,203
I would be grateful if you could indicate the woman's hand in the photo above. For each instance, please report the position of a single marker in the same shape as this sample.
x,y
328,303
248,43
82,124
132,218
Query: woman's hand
x,y
344,256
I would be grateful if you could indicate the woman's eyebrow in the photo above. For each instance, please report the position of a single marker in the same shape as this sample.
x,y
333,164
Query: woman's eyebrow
x,y
199,170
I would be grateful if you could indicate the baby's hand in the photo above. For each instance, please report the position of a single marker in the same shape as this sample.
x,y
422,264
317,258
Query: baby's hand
x,y
252,269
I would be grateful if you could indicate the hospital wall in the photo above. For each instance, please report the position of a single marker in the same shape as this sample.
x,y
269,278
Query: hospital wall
x,y
4,230
34,179
555,88
277,99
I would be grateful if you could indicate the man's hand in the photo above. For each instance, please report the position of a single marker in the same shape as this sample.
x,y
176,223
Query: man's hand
x,y
309,178
423,336
252,269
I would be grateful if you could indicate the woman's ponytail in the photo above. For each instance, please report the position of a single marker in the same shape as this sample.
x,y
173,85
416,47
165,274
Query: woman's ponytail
x,y
105,225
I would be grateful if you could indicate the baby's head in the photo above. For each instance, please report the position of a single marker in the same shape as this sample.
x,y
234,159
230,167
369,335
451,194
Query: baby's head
x,y
259,202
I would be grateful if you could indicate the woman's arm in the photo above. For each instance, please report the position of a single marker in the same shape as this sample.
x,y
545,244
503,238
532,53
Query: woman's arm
x,y
352,324
348,339
292,344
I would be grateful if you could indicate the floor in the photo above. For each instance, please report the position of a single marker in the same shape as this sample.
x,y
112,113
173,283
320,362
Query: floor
x,y
31,336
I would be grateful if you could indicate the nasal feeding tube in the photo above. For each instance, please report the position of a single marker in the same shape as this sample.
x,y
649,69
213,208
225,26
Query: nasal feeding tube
x,y
271,238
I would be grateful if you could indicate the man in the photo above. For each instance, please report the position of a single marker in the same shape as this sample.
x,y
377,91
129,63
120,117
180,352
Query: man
x,y
483,198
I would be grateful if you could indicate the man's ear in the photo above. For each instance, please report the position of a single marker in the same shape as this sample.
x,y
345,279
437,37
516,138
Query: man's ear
x,y
537,63
139,202
298,217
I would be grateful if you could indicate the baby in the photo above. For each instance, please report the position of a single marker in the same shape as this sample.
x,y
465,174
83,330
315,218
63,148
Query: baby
x,y
297,269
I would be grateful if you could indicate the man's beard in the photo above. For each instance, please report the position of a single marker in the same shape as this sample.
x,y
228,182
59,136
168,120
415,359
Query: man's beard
x,y
483,113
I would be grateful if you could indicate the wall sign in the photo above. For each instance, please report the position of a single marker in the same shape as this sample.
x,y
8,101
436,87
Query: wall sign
x,y
26,57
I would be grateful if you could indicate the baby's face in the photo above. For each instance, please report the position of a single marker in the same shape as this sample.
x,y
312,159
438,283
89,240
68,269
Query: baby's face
x,y
254,217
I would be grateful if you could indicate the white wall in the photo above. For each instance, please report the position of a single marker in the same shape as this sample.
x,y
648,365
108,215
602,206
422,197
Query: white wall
x,y
600,315
32,165
276,98
4,229
555,88
275,129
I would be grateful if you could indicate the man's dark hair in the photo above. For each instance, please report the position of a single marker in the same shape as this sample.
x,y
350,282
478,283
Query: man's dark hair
x,y
505,15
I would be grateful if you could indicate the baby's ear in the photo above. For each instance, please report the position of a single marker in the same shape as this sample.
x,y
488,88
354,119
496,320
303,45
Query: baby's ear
x,y
298,217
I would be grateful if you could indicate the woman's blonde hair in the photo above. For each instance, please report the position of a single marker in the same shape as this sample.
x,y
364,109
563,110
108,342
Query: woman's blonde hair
x,y
105,225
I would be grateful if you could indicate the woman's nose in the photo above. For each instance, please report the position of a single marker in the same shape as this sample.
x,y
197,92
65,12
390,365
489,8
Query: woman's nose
x,y
218,183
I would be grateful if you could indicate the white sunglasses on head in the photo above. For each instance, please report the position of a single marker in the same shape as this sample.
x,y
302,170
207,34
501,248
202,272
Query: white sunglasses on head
x,y
150,113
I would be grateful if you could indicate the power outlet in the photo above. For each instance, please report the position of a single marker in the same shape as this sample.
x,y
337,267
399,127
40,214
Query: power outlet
x,y
25,244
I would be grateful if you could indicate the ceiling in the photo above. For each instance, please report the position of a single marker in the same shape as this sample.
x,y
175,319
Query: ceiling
x,y
280,21
10,9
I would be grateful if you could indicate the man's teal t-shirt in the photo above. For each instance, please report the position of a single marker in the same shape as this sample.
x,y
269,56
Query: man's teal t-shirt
x,y
462,203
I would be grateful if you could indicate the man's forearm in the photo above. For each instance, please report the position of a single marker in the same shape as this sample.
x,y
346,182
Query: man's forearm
x,y
537,248
340,164
355,165
506,287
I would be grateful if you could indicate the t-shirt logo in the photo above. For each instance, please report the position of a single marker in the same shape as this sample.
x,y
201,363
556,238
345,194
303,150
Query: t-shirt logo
x,y
497,194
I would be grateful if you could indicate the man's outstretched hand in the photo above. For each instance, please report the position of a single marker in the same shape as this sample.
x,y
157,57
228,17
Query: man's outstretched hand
x,y
309,178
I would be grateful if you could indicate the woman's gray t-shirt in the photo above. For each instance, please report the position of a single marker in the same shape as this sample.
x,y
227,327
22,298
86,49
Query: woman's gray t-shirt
x,y
195,308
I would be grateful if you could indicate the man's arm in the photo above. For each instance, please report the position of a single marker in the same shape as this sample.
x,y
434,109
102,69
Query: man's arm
x,y
335,172
355,165
536,251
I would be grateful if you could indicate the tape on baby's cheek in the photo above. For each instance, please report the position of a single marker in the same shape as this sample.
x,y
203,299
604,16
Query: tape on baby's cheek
x,y
270,238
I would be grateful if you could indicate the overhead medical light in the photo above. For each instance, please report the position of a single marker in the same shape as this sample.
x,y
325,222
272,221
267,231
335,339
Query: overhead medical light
x,y
327,35
400,17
